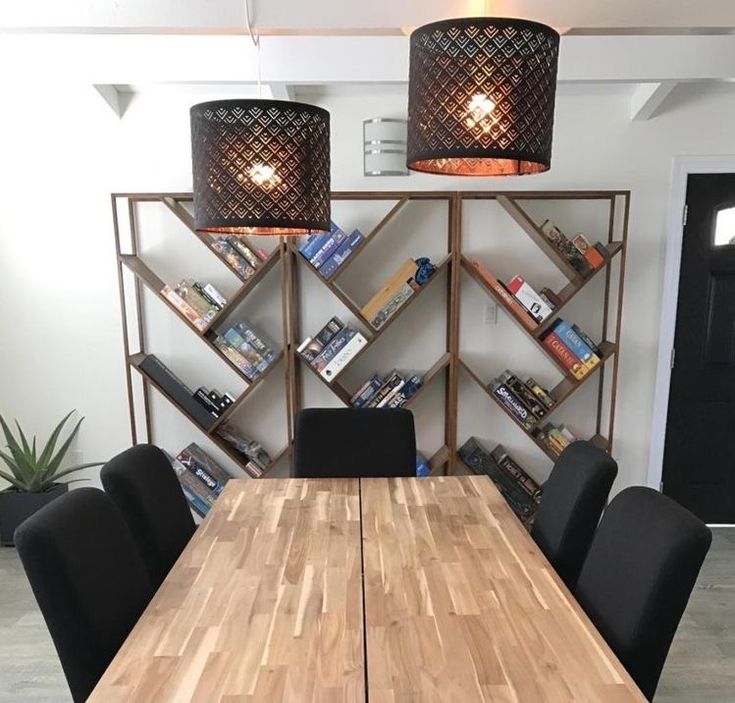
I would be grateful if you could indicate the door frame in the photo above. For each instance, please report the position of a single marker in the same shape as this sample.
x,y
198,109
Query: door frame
x,y
682,167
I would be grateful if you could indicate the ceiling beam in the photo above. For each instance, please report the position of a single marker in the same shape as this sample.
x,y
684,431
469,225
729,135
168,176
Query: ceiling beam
x,y
647,98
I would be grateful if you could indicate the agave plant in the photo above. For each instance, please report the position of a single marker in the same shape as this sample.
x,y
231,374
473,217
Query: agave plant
x,y
35,472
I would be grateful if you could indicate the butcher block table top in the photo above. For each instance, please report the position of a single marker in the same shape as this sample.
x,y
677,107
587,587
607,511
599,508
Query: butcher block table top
x,y
290,586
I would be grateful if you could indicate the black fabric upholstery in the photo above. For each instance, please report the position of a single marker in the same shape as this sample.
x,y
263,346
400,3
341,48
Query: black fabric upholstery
x,y
88,578
638,575
145,488
571,504
354,442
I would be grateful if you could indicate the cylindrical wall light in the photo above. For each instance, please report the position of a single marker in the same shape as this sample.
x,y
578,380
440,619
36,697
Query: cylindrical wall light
x,y
481,97
260,167
384,147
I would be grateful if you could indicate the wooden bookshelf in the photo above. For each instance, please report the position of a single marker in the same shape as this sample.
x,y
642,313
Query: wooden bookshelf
x,y
450,269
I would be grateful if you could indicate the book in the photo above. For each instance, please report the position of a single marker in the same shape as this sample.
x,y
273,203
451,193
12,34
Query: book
x,y
517,409
233,258
184,308
235,339
409,389
516,471
405,274
575,343
315,242
594,347
393,380
564,355
239,245
515,307
258,341
176,389
386,312
214,302
201,395
343,357
187,290
540,392
317,342
330,246
332,347
204,468
529,298
366,391
552,299
524,394
237,359
341,253
592,256
480,461
391,393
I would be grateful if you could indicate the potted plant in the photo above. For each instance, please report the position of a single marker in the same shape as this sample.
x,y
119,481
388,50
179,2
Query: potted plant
x,y
33,476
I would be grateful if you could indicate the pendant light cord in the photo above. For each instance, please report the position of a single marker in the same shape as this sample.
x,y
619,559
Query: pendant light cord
x,y
256,43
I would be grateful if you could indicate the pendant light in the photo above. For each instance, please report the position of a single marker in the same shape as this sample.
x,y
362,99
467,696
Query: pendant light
x,y
481,97
260,166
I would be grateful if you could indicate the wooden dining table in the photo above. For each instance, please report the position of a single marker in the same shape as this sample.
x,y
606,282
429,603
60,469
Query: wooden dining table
x,y
382,590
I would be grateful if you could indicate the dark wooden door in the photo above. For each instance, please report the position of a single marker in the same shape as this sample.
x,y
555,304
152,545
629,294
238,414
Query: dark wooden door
x,y
699,455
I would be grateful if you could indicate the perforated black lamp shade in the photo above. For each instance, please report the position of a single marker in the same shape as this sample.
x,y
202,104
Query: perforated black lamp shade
x,y
481,97
260,167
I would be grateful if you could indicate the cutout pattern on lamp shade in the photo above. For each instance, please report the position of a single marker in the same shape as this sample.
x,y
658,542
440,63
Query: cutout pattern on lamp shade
x,y
260,167
481,97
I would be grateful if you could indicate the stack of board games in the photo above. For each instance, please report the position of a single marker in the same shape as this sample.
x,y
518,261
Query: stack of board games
x,y
256,459
520,491
202,479
583,257
242,257
572,348
399,288
197,404
199,303
327,252
526,401
556,438
390,392
332,348
249,350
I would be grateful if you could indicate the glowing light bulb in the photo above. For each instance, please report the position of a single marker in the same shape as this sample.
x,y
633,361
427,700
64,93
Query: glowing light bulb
x,y
264,175
479,112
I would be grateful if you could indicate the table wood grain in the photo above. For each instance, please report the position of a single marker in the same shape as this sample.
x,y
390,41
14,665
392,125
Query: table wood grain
x,y
265,604
461,606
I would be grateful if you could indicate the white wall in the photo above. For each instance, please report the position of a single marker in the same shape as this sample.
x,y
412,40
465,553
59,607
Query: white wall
x,y
62,152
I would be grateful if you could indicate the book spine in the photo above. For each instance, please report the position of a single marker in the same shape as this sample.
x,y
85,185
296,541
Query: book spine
x,y
410,388
338,236
184,308
212,302
194,453
595,349
540,392
213,293
366,392
551,297
209,481
332,347
515,471
202,397
392,306
342,253
391,394
517,409
314,243
235,357
233,258
525,396
577,346
520,312
564,355
344,356
252,359
393,380
244,250
257,341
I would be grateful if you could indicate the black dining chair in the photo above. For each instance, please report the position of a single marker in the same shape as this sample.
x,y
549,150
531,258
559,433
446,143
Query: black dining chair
x,y
571,504
88,578
144,486
638,576
354,442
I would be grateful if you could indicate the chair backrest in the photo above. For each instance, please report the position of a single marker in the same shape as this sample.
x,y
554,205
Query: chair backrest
x,y
638,576
88,578
354,442
144,486
571,504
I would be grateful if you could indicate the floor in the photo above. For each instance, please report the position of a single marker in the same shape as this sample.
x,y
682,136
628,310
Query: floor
x,y
700,667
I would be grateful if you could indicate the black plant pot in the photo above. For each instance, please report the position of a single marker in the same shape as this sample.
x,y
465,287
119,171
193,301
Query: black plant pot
x,y
16,506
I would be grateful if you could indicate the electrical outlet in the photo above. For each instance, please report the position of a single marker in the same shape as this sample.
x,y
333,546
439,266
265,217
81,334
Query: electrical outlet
x,y
491,313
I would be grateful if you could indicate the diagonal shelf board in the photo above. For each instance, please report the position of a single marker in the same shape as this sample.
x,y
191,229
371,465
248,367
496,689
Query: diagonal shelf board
x,y
368,238
533,334
376,333
534,232
560,393
186,218
153,282
438,460
135,360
